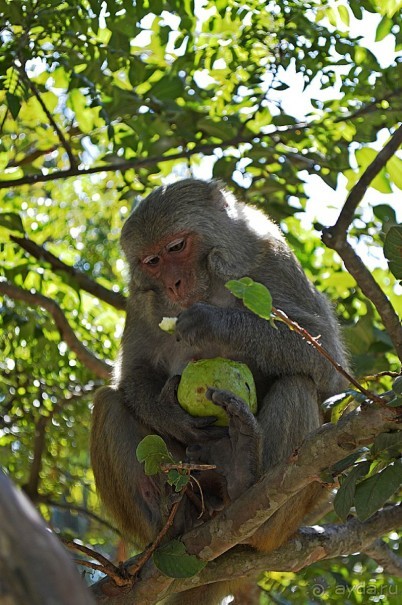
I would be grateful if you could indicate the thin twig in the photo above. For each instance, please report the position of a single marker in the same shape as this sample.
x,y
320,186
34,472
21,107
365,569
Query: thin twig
x,y
87,551
148,552
118,574
77,509
313,340
52,122
93,566
186,466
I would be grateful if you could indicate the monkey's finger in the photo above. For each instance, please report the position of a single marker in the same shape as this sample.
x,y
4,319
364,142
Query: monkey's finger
x,y
204,421
206,431
225,399
239,414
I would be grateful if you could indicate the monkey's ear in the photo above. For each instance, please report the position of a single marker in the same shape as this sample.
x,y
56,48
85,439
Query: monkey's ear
x,y
219,264
223,198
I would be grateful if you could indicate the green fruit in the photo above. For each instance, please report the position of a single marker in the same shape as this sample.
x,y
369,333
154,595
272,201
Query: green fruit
x,y
220,373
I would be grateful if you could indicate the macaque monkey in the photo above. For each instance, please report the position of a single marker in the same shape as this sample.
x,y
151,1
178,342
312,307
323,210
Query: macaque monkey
x,y
183,243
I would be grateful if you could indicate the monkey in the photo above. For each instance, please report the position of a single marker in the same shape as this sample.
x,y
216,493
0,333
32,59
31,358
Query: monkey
x,y
183,243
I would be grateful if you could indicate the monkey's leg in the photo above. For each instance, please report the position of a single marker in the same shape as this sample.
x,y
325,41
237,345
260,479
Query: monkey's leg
x,y
241,460
131,497
140,504
288,414
238,455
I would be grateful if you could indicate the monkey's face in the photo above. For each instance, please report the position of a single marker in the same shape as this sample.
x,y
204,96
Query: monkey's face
x,y
177,269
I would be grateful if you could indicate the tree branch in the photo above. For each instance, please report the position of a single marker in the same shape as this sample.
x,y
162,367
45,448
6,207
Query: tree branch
x,y
335,238
329,444
185,153
93,363
315,544
52,122
358,191
31,488
381,552
115,299
124,165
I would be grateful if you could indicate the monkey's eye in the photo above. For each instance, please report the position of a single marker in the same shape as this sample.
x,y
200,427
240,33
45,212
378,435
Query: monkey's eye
x,y
151,260
176,245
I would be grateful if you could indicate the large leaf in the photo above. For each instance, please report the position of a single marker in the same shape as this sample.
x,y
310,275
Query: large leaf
x,y
12,221
374,492
344,498
393,250
173,561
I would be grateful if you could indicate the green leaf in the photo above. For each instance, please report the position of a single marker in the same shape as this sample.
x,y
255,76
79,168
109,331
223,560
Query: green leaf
x,y
14,104
397,385
393,250
173,561
383,29
338,404
255,296
385,213
396,402
167,88
152,451
342,465
178,480
344,498
364,157
387,442
216,128
344,14
373,493
12,221
394,169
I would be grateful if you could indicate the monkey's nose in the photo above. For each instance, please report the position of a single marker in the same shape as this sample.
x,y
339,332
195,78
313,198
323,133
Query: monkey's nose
x,y
175,287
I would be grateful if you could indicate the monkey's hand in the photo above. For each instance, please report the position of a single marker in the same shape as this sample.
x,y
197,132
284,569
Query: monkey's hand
x,y
179,424
238,456
199,324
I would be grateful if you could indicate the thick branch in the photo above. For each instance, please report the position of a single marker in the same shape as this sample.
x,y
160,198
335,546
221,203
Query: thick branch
x,y
335,238
338,231
116,299
371,289
315,544
97,366
243,517
329,444
309,546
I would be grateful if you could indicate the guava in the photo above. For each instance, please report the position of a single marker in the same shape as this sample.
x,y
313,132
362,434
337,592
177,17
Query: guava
x,y
220,373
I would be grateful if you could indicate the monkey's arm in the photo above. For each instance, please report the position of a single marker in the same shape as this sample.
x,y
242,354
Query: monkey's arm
x,y
151,398
277,351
